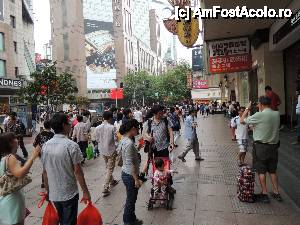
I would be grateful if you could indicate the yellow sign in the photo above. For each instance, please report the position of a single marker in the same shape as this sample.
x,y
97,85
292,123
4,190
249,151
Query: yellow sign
x,y
188,31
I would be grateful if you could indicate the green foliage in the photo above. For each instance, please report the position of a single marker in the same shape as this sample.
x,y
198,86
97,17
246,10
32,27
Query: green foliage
x,y
48,88
168,88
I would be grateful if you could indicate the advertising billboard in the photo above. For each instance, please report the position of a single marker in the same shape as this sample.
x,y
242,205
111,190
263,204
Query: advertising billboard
x,y
230,55
200,84
99,44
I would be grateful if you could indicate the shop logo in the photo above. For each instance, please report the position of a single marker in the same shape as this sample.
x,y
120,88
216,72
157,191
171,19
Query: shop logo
x,y
10,83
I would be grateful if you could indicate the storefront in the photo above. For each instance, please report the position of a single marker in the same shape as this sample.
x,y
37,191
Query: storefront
x,y
8,89
285,37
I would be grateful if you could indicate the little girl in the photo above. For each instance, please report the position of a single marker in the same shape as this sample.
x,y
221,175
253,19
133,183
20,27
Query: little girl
x,y
161,178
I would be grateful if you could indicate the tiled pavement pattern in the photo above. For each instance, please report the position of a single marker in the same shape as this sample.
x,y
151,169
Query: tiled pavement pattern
x,y
205,191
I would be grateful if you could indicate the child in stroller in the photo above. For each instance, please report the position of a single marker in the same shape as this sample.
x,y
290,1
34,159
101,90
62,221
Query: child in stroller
x,y
161,191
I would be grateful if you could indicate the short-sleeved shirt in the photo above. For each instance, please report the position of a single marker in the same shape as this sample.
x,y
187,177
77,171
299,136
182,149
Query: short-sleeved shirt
x,y
189,130
59,155
105,135
275,101
265,126
159,132
241,131
130,156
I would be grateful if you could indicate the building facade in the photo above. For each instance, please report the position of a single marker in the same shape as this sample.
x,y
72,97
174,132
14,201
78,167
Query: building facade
x,y
16,47
268,55
67,34
103,40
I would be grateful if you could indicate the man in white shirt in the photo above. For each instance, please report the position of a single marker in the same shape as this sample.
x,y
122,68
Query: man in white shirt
x,y
80,135
106,137
61,159
242,136
138,115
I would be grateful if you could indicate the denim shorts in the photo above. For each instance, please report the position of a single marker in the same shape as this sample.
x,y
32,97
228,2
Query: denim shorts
x,y
243,145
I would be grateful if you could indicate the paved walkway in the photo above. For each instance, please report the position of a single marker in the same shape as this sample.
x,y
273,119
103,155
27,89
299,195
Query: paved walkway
x,y
205,191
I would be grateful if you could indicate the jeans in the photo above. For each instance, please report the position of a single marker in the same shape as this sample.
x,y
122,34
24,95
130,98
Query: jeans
x,y
298,127
129,216
67,211
83,146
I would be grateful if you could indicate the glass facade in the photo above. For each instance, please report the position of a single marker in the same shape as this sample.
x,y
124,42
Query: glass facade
x,y
140,20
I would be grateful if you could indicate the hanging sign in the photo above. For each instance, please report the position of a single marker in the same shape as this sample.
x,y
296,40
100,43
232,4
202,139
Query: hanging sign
x,y
188,31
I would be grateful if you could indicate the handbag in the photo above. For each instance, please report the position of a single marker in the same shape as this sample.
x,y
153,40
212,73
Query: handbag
x,y
10,183
119,160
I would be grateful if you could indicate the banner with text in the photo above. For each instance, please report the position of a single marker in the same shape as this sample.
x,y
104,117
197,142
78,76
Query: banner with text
x,y
200,84
230,55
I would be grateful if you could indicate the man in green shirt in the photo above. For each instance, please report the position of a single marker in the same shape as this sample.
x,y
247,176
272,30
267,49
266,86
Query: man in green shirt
x,y
265,124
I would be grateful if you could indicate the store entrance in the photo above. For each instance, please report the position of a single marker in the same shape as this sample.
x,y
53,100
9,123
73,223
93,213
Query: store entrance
x,y
292,75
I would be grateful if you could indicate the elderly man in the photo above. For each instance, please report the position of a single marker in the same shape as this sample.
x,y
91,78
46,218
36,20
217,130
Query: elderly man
x,y
266,143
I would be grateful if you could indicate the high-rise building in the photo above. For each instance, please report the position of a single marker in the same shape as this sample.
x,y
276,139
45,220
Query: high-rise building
x,y
67,27
110,38
16,47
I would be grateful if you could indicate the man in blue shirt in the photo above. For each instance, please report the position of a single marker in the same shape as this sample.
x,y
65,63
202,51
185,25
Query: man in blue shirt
x,y
191,136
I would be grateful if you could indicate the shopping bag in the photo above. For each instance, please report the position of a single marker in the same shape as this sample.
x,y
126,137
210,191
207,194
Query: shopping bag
x,y
90,216
89,152
50,215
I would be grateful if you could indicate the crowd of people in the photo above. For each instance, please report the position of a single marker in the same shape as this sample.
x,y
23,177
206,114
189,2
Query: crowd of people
x,y
118,136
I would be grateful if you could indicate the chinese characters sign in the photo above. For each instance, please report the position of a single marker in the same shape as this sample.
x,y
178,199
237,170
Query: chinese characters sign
x,y
200,84
232,55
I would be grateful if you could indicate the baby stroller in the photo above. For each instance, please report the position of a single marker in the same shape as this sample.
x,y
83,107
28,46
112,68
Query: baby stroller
x,y
168,199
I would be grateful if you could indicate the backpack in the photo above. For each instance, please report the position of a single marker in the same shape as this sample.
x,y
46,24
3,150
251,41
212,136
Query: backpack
x,y
245,184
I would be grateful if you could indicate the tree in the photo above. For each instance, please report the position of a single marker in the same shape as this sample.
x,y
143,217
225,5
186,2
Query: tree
x,y
48,88
169,88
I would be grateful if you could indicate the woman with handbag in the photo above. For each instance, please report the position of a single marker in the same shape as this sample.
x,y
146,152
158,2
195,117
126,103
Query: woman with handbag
x,y
13,178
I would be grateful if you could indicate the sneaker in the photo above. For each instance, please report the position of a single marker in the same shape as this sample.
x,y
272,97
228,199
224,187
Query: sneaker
x,y
199,159
277,197
182,158
114,183
138,222
142,177
105,193
264,198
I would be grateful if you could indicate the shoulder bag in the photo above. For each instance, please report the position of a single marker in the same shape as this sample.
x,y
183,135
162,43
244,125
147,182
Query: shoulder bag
x,y
10,183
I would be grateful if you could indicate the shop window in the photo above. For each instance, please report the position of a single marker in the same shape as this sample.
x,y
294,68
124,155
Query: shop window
x,y
2,68
15,47
13,21
2,41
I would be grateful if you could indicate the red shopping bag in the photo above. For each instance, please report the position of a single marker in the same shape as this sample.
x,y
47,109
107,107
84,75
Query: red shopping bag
x,y
50,215
90,216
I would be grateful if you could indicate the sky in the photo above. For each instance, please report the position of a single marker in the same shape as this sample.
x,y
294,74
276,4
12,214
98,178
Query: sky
x,y
42,32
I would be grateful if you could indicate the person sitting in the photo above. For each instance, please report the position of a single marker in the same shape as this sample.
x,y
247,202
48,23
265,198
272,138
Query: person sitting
x,y
162,179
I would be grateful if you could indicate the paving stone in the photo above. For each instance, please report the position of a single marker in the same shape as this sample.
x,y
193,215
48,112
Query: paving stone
x,y
214,218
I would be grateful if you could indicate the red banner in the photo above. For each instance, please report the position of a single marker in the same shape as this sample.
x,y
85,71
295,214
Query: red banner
x,y
116,93
229,64
200,84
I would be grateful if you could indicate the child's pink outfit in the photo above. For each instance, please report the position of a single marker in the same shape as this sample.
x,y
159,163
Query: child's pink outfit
x,y
159,188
